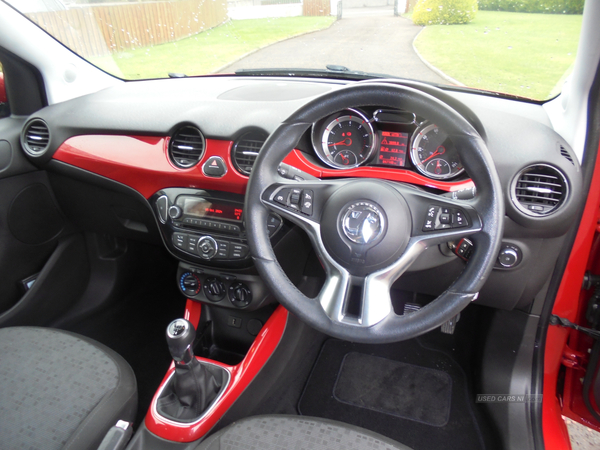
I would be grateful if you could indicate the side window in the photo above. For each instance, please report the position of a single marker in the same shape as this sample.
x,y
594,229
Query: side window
x,y
3,100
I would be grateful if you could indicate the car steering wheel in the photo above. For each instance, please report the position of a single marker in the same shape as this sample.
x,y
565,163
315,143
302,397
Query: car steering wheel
x,y
368,232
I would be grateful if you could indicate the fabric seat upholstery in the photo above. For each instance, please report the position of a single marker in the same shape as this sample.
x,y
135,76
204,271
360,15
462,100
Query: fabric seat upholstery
x,y
59,390
280,432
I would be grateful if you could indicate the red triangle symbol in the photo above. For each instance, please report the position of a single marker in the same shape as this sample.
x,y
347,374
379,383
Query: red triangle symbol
x,y
214,163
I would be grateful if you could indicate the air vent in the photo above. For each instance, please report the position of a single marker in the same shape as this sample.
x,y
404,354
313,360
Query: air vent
x,y
245,150
565,153
539,190
186,147
35,138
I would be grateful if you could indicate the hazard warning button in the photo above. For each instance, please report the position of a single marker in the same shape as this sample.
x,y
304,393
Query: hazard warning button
x,y
214,167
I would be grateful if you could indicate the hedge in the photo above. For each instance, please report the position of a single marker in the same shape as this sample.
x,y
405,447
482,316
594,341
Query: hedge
x,y
444,12
534,6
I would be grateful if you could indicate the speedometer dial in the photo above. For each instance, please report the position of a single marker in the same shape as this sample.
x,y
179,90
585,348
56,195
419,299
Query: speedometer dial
x,y
434,154
346,141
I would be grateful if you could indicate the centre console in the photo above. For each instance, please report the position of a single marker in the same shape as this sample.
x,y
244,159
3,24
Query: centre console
x,y
205,231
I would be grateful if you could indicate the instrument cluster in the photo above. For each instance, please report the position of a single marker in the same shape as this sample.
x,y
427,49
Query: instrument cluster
x,y
385,138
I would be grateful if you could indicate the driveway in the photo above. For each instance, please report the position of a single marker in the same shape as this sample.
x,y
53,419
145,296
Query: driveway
x,y
367,39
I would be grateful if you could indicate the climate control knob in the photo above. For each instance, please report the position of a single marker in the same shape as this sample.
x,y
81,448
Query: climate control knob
x,y
240,295
190,284
214,289
207,247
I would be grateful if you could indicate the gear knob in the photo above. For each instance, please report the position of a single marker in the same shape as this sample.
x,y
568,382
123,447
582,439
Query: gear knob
x,y
180,339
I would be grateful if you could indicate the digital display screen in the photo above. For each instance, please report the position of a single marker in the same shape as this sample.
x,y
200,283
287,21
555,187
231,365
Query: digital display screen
x,y
392,149
208,208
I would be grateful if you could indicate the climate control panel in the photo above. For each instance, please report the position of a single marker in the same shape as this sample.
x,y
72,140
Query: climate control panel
x,y
230,290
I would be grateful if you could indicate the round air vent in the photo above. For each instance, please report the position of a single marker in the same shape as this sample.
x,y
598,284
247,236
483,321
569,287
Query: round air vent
x,y
245,150
539,190
35,137
186,147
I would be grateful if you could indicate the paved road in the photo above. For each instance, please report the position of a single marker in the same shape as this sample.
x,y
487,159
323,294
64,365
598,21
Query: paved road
x,y
367,39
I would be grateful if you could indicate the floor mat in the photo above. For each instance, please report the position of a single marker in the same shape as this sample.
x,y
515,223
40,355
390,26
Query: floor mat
x,y
412,394
396,388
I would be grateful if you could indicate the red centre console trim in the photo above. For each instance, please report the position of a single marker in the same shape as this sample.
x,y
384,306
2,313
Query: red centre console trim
x,y
142,163
241,375
297,159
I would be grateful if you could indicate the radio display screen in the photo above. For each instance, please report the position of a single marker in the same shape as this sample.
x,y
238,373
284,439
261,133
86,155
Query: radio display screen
x,y
209,208
392,149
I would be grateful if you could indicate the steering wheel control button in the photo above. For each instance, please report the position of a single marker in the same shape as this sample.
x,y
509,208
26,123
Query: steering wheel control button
x,y
432,213
296,199
307,202
207,247
510,256
274,222
459,220
214,289
295,196
442,218
214,167
464,249
363,223
282,197
240,295
190,284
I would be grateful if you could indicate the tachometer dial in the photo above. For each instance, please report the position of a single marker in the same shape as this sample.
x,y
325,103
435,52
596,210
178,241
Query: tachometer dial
x,y
434,154
346,141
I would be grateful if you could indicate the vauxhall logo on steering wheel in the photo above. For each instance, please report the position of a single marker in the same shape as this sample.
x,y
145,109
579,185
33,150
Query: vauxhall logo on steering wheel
x,y
362,222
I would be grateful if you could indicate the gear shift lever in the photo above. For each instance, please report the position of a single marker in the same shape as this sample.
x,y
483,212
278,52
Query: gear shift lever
x,y
180,339
194,385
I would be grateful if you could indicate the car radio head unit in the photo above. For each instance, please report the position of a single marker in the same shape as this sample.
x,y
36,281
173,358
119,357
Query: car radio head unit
x,y
205,208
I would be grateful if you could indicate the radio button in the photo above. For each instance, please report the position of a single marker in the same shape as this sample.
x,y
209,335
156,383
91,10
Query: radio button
x,y
239,251
234,229
180,240
223,250
207,247
162,204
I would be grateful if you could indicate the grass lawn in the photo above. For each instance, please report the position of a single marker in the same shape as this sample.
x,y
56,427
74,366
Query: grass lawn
x,y
207,51
516,53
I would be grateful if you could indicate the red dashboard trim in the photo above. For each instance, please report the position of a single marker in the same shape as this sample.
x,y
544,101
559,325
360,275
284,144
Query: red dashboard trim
x,y
141,162
241,375
299,161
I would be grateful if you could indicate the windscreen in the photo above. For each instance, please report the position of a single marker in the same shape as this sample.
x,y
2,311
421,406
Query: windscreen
x,y
518,47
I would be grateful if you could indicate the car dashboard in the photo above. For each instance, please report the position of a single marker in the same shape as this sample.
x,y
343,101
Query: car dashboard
x,y
182,151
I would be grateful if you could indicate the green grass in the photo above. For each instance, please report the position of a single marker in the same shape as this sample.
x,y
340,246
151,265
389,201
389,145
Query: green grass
x,y
208,51
516,53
